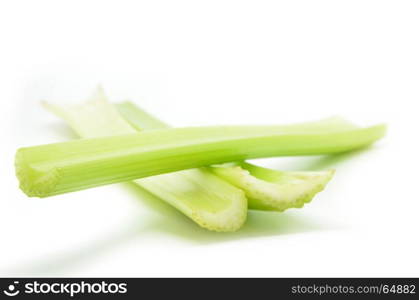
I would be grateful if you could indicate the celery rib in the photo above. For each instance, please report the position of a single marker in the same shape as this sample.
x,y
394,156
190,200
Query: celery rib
x,y
86,163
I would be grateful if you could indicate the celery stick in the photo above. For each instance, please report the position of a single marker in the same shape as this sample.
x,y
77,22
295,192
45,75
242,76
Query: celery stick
x,y
70,166
268,189
209,201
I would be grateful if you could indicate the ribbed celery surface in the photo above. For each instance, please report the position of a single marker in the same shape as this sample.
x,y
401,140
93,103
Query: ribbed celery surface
x,y
70,166
268,189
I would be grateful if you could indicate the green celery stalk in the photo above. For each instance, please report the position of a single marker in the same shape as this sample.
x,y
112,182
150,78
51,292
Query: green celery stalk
x,y
268,189
53,169
209,201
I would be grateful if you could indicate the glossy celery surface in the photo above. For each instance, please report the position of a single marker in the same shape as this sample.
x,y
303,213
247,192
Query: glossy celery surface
x,y
70,166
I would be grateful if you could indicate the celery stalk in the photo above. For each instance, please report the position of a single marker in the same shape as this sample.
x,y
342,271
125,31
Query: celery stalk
x,y
268,189
265,189
209,201
70,166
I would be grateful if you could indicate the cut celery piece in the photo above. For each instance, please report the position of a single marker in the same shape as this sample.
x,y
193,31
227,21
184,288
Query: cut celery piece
x,y
70,166
268,189
209,201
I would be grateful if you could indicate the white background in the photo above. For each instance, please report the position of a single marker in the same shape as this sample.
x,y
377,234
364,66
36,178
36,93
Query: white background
x,y
216,62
